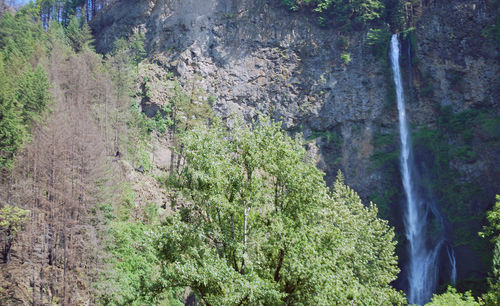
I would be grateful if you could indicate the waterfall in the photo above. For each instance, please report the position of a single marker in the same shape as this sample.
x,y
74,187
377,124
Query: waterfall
x,y
423,254
453,263
420,259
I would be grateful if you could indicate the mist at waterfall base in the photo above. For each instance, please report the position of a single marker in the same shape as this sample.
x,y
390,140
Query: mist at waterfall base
x,y
429,252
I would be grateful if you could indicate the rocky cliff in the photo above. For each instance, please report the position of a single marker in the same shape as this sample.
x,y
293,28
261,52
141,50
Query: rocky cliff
x,y
254,56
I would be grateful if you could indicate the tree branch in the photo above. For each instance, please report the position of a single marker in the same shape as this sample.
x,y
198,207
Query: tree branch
x,y
280,264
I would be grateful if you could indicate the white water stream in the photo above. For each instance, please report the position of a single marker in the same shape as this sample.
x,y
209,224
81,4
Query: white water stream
x,y
423,260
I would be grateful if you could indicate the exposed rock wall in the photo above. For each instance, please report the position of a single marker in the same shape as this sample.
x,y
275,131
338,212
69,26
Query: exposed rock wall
x,y
456,61
255,56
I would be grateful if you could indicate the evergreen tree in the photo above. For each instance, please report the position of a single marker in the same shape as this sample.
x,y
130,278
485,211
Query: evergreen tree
x,y
20,35
80,35
23,90
32,93
12,130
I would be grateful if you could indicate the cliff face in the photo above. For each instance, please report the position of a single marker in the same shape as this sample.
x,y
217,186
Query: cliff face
x,y
253,56
453,48
456,67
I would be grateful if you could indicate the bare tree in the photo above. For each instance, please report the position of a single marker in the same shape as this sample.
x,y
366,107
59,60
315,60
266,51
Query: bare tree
x,y
55,178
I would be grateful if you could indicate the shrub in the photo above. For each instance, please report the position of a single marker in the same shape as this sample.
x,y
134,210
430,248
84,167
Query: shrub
x,y
346,58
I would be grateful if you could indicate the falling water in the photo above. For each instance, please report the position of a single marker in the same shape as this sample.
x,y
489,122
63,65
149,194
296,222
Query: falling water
x,y
453,263
423,260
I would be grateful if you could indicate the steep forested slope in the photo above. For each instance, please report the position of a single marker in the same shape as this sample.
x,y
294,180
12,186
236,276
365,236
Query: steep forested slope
x,y
64,120
119,186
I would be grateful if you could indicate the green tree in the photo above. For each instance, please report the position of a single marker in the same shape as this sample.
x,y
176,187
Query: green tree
x,y
133,267
21,34
130,254
32,93
137,48
452,297
12,130
79,34
257,225
23,90
12,220
492,230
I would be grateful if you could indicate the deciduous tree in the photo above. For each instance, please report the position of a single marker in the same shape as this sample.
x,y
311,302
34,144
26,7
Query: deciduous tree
x,y
257,225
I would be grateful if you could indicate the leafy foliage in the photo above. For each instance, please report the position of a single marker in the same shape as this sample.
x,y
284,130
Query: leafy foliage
x,y
257,225
21,35
346,58
452,297
493,216
12,131
379,40
341,12
12,219
132,47
492,230
131,262
133,266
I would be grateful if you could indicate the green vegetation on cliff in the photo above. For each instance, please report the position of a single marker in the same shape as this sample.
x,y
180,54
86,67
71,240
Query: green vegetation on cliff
x,y
452,142
354,14
492,296
12,220
253,220
341,12
66,235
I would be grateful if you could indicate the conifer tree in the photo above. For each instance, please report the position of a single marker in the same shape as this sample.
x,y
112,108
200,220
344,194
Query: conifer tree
x,y
32,93
12,130
80,35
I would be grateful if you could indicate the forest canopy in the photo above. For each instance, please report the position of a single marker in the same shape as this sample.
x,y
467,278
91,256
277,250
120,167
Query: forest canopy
x,y
24,83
